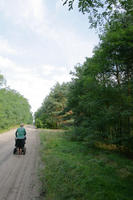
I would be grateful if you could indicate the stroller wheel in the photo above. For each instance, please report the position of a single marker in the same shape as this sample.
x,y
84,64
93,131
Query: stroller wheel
x,y
14,150
24,151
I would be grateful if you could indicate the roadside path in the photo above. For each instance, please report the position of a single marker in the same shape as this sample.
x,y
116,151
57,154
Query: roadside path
x,y
18,173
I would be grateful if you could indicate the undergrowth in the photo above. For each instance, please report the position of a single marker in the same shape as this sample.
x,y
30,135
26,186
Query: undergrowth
x,y
71,171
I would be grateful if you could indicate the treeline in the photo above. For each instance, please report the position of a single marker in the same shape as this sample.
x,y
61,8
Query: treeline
x,y
14,108
54,112
100,96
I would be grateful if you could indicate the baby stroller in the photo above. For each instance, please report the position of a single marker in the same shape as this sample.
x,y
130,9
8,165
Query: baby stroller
x,y
20,146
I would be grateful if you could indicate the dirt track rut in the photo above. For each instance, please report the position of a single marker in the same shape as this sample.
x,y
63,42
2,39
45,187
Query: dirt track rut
x,y
18,173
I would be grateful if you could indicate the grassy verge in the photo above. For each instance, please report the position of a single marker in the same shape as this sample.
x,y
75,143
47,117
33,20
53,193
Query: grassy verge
x,y
7,129
75,173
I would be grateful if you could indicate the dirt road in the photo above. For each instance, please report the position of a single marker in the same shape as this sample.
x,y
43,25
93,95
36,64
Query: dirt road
x,y
18,173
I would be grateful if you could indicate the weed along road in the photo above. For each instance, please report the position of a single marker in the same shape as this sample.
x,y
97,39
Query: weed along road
x,y
18,173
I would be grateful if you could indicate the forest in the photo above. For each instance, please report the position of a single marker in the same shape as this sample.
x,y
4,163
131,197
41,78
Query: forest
x,y
85,151
97,104
14,108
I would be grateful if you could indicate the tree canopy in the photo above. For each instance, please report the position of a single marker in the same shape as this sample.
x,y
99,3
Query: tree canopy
x,y
101,93
52,113
101,11
14,108
2,81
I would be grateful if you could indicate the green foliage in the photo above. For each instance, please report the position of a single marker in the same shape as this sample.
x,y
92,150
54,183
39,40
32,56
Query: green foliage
x,y
100,11
100,96
39,123
101,93
2,81
52,113
72,171
14,108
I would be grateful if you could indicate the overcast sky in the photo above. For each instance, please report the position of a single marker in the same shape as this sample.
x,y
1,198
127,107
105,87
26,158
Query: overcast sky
x,y
40,43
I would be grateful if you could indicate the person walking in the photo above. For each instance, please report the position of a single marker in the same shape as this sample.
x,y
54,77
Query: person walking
x,y
20,138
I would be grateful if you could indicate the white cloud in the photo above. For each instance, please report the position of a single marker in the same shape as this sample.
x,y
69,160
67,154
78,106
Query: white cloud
x,y
72,45
47,69
34,83
34,15
44,32
6,63
24,12
5,47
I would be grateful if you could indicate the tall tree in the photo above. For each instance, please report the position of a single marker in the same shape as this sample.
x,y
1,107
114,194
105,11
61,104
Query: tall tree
x,y
101,11
51,115
101,93
2,81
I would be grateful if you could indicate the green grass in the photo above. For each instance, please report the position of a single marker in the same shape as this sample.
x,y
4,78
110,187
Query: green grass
x,y
7,129
72,171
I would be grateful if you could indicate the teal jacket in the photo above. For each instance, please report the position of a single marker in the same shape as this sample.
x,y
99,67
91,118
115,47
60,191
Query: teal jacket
x,y
20,133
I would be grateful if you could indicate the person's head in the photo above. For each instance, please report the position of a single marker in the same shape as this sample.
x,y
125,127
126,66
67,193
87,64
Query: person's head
x,y
21,125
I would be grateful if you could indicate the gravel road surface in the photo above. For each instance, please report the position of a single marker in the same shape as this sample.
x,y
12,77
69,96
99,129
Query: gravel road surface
x,y
19,173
